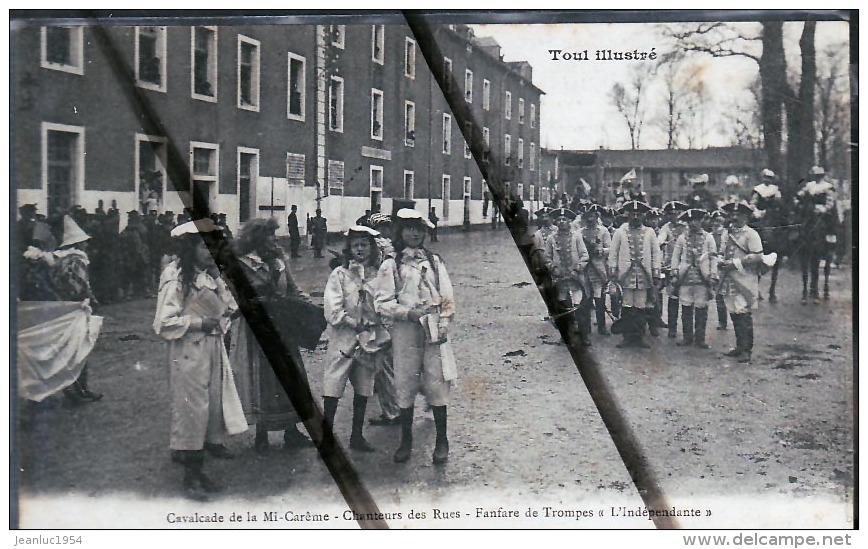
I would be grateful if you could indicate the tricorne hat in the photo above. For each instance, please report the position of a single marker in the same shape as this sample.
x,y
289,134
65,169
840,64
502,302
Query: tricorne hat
x,y
737,207
563,212
408,215
72,233
674,206
692,214
204,225
634,206
629,176
699,179
593,209
543,212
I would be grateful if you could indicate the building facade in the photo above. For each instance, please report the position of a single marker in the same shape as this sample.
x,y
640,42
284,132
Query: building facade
x,y
663,174
344,118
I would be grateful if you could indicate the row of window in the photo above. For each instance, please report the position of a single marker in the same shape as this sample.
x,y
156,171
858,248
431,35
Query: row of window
x,y
63,168
62,49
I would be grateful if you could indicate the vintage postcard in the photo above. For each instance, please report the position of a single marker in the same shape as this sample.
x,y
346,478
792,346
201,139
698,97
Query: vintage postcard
x,y
525,270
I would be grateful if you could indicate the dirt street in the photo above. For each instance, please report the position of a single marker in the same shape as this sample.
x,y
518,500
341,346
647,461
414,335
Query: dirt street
x,y
764,445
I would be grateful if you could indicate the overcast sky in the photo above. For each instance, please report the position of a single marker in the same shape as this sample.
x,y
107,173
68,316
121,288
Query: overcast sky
x,y
577,113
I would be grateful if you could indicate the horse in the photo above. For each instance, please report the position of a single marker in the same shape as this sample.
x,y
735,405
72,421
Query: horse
x,y
816,242
778,235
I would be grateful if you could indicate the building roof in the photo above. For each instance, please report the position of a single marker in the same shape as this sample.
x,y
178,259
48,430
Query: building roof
x,y
687,159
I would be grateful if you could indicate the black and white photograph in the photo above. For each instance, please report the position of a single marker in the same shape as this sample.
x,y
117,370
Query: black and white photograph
x,y
516,270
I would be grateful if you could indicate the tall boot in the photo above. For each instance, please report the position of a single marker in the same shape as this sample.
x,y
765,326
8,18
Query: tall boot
x,y
260,443
650,316
627,328
441,447
738,328
672,306
686,325
600,308
330,409
357,439
701,319
402,454
747,327
639,323
193,462
721,310
583,322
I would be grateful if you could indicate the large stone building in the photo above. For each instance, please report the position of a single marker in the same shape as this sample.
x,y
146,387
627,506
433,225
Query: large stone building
x,y
259,117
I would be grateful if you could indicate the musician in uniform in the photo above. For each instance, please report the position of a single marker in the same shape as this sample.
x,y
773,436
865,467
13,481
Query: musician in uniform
x,y
741,255
718,229
597,241
539,270
566,258
694,268
634,263
666,238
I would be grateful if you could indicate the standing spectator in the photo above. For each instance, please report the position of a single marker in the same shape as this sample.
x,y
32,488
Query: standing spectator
x,y
155,251
136,257
432,217
25,225
34,283
319,233
193,310
71,281
357,338
224,226
264,399
414,295
294,235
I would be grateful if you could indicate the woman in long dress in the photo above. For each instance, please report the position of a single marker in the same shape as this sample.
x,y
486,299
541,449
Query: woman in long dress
x,y
266,404
193,310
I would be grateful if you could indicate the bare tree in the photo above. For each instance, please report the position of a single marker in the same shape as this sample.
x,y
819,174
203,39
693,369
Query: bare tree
x,y
741,120
675,96
630,101
763,43
833,110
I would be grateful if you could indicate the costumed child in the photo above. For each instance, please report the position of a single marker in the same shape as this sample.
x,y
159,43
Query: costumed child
x,y
358,341
193,314
414,295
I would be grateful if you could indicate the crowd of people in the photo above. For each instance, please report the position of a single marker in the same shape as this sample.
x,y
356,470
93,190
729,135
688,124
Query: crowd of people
x,y
124,264
387,305
628,260
388,302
